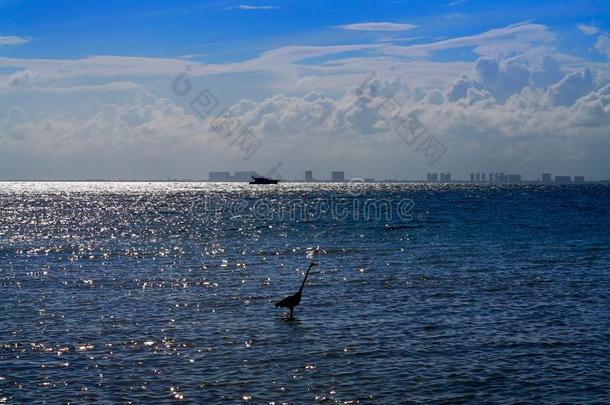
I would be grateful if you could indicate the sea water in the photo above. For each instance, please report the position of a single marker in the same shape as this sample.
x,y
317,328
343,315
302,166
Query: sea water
x,y
133,292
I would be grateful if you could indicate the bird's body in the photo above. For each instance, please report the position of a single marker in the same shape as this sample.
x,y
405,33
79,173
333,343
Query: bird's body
x,y
292,301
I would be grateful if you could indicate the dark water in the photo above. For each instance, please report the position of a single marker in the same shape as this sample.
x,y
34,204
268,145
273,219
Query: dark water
x,y
165,292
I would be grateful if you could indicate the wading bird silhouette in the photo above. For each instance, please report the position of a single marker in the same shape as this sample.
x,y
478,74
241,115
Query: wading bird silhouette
x,y
292,301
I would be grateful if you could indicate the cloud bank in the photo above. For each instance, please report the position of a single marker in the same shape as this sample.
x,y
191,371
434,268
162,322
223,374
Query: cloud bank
x,y
520,106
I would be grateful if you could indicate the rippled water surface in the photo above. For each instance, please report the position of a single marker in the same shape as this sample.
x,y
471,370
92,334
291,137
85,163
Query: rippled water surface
x,y
165,291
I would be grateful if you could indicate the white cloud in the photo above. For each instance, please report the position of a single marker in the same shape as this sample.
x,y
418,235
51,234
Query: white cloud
x,y
515,105
588,29
13,40
498,113
499,120
593,110
112,87
283,62
44,71
502,78
547,73
145,127
572,87
249,7
603,45
378,26
459,89
507,41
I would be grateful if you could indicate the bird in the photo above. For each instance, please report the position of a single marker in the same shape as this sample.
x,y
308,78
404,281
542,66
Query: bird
x,y
292,301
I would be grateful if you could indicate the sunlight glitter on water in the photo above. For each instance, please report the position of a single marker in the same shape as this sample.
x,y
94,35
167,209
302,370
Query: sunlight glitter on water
x,y
118,292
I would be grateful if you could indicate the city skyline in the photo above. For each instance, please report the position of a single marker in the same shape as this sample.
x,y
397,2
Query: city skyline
x,y
431,177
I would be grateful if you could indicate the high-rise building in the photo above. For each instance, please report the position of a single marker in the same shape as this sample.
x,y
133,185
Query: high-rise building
x,y
448,177
546,177
514,178
308,175
434,178
244,176
563,179
496,177
337,176
478,177
472,177
491,177
483,177
502,178
579,179
219,176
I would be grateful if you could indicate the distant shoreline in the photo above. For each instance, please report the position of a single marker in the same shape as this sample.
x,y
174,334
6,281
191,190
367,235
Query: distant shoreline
x,y
406,181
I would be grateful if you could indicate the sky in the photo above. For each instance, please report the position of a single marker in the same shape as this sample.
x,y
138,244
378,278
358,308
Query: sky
x,y
383,89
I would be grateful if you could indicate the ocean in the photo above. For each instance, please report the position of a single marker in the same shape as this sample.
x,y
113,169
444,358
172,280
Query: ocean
x,y
160,292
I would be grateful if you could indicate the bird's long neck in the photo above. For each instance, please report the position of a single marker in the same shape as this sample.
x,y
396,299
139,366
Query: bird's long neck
x,y
305,279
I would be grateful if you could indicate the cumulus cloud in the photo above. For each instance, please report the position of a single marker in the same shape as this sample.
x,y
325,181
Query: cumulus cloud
x,y
497,78
147,126
459,89
603,45
497,112
496,84
508,106
547,73
572,87
593,110
502,78
378,26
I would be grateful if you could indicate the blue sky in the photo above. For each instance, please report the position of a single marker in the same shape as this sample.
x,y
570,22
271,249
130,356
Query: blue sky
x,y
487,76
221,31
